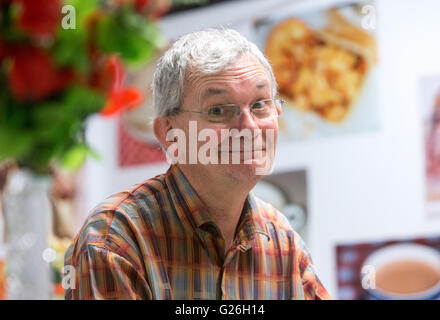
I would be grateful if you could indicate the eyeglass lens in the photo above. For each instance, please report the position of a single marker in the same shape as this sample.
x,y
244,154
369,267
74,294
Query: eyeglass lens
x,y
225,113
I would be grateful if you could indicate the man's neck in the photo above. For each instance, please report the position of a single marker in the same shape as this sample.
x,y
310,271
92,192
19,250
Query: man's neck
x,y
223,198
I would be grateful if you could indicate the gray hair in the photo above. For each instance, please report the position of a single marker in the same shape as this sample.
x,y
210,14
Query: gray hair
x,y
209,51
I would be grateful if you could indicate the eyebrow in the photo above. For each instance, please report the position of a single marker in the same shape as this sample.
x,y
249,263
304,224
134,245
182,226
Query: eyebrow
x,y
212,92
261,85
218,91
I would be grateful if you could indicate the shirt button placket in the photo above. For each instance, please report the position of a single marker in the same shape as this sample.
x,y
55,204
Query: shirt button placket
x,y
223,272
222,287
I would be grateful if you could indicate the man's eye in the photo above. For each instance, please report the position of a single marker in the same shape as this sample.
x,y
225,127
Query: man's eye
x,y
259,105
216,111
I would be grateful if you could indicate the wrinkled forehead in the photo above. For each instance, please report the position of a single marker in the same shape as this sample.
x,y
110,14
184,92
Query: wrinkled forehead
x,y
218,65
244,69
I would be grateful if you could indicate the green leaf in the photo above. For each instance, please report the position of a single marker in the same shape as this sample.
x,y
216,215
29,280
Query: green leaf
x,y
81,101
70,49
49,112
14,143
95,155
39,157
77,103
83,10
128,34
8,23
75,157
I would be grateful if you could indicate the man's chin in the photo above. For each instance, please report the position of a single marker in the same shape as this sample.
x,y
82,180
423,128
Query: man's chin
x,y
241,173
249,164
242,157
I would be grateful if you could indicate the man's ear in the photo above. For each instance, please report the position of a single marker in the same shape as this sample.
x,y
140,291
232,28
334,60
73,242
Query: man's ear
x,y
161,126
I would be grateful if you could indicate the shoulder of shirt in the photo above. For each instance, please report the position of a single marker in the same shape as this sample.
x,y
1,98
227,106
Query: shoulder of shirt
x,y
279,222
125,200
272,215
112,223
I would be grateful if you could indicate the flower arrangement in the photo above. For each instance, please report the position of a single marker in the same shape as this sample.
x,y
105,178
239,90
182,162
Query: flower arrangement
x,y
60,62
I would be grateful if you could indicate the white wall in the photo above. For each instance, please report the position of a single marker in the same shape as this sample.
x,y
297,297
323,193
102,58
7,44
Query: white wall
x,y
365,186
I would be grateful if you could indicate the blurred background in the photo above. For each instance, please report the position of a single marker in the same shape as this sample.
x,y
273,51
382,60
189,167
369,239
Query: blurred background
x,y
357,169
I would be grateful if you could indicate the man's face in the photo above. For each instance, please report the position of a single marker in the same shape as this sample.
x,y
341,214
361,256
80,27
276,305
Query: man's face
x,y
243,84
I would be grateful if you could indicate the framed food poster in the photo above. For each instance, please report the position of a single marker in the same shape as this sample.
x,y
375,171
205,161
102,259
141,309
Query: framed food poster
x,y
325,62
430,90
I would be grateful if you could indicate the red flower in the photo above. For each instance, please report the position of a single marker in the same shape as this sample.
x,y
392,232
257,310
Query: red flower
x,y
141,4
3,51
40,17
159,8
120,97
138,4
152,9
33,75
5,3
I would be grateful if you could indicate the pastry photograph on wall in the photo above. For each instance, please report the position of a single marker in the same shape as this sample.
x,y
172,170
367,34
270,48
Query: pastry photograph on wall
x,y
325,62
430,95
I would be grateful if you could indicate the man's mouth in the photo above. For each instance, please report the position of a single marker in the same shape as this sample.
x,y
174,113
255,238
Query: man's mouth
x,y
242,151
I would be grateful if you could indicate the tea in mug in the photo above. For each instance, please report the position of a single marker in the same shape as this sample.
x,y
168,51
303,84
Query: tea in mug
x,y
406,276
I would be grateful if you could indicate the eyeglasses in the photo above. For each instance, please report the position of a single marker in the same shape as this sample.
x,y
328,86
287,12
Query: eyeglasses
x,y
225,113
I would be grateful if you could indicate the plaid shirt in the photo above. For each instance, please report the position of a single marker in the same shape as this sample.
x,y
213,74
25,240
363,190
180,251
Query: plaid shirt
x,y
157,241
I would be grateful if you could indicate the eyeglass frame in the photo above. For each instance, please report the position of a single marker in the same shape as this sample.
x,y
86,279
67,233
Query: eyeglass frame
x,y
278,101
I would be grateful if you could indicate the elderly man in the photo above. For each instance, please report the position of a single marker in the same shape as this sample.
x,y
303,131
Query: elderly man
x,y
197,232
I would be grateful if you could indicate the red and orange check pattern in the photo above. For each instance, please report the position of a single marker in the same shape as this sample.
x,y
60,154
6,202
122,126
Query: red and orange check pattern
x,y
157,241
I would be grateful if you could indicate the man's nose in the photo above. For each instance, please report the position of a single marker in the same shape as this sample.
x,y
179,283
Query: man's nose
x,y
247,120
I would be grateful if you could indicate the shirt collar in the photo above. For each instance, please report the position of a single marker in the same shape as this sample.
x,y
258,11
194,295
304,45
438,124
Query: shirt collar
x,y
191,210
193,213
251,224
